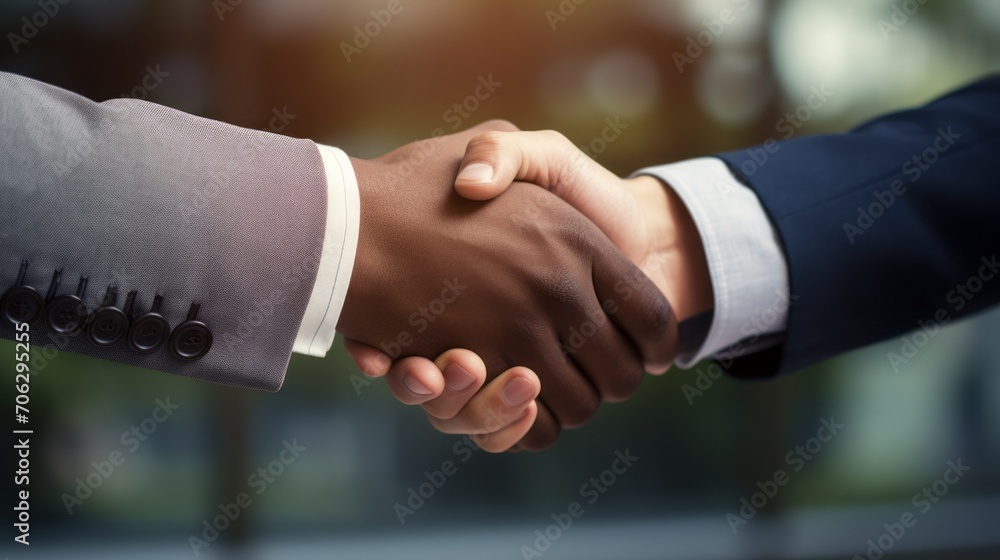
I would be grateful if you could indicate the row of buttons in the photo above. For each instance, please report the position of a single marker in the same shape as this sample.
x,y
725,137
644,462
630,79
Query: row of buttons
x,y
107,325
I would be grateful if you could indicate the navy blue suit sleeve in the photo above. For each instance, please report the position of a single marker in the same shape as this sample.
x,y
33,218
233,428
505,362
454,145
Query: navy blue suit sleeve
x,y
886,229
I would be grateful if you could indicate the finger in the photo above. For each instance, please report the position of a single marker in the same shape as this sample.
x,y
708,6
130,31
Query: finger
x,y
370,360
549,160
568,392
415,380
496,406
605,354
637,306
488,127
543,432
464,373
497,125
493,160
505,438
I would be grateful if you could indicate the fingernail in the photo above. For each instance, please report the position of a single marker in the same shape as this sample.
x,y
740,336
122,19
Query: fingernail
x,y
415,386
476,173
517,392
457,378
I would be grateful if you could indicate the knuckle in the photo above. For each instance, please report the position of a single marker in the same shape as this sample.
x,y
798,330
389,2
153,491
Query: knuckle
x,y
496,362
625,381
580,411
576,233
538,441
441,411
659,316
654,314
543,433
489,444
487,141
490,420
563,286
443,426
554,136
502,125
534,332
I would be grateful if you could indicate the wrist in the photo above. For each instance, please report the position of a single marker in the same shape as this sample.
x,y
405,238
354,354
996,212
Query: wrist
x,y
679,259
363,286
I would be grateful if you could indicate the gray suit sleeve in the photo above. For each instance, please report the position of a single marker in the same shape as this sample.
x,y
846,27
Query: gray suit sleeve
x,y
141,198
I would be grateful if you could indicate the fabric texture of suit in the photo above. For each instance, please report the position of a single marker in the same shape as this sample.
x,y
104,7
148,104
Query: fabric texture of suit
x,y
146,198
881,226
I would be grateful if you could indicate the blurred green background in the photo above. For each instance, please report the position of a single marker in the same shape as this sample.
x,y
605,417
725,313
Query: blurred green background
x,y
703,444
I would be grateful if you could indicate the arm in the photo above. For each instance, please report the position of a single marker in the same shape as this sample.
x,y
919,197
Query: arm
x,y
747,262
645,220
202,222
884,228
136,197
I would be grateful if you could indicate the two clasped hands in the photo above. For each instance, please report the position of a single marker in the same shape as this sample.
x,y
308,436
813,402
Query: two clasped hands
x,y
573,282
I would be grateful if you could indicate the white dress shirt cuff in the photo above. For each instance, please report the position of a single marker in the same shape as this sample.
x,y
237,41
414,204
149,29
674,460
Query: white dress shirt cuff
x,y
745,259
340,242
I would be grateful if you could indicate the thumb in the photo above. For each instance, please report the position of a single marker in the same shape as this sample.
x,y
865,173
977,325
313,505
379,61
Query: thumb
x,y
494,160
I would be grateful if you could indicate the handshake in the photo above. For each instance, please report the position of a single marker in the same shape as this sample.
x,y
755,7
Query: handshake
x,y
501,279
533,283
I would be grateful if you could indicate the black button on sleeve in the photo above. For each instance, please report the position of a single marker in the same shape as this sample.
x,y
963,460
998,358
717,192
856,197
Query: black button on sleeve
x,y
192,339
108,325
150,330
67,314
21,303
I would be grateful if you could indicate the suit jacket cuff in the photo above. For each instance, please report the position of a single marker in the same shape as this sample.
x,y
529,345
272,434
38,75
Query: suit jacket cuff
x,y
340,242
